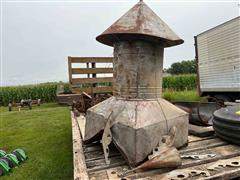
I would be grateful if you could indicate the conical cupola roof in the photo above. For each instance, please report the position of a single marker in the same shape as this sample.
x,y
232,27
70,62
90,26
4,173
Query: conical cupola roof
x,y
141,23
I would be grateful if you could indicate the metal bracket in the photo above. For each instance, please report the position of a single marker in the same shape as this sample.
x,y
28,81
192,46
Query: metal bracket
x,y
223,163
186,174
107,139
198,156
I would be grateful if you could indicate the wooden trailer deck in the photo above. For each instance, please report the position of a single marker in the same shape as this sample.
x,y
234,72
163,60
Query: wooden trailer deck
x,y
89,162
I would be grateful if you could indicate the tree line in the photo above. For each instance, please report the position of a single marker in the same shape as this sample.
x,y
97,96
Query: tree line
x,y
183,67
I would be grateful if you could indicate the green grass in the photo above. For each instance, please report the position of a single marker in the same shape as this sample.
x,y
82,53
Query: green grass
x,y
183,96
45,134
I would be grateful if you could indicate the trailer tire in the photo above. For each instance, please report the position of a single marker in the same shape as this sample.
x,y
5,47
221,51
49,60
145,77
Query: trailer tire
x,y
227,124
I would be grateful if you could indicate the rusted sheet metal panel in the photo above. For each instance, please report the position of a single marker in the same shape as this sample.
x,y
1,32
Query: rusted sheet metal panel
x,y
91,70
141,75
91,59
140,22
77,81
218,58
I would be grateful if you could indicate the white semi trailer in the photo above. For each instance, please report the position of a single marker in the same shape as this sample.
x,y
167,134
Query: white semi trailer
x,y
218,61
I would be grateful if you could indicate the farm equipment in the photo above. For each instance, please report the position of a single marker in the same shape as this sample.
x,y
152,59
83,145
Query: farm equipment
x,y
226,123
200,113
10,160
24,103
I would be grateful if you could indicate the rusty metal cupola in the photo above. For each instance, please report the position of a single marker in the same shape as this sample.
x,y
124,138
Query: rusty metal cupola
x,y
140,23
136,116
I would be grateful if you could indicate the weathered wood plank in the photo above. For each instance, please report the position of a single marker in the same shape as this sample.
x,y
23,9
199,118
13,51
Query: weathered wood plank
x,y
80,168
99,156
201,145
93,148
115,169
70,69
91,90
91,59
115,164
91,70
81,120
192,138
98,175
76,81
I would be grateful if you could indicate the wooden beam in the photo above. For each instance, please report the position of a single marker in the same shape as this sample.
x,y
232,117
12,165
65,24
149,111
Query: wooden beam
x,y
69,69
80,168
77,81
106,89
91,59
91,70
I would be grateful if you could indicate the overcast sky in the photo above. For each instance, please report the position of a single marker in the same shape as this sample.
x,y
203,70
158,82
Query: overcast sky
x,y
37,37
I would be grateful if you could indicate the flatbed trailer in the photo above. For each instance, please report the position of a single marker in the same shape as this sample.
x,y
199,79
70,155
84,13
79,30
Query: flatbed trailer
x,y
89,161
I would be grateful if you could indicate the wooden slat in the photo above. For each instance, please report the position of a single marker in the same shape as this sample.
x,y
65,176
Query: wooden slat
x,y
69,69
77,81
192,138
107,89
91,59
81,120
91,70
80,169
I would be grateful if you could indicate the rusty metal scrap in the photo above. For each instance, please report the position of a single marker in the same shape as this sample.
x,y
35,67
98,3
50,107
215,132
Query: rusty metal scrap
x,y
223,163
163,156
198,156
86,101
106,140
185,174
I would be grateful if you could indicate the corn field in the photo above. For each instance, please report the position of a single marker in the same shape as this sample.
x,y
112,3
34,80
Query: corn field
x,y
180,82
47,91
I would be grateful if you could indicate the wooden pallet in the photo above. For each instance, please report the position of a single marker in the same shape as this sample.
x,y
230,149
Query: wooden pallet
x,y
89,160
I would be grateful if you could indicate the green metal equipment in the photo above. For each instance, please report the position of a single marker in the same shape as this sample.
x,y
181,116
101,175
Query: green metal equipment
x,y
2,153
13,159
21,155
10,160
4,168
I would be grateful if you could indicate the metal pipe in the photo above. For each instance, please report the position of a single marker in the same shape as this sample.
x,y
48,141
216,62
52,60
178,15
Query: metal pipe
x,y
137,69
